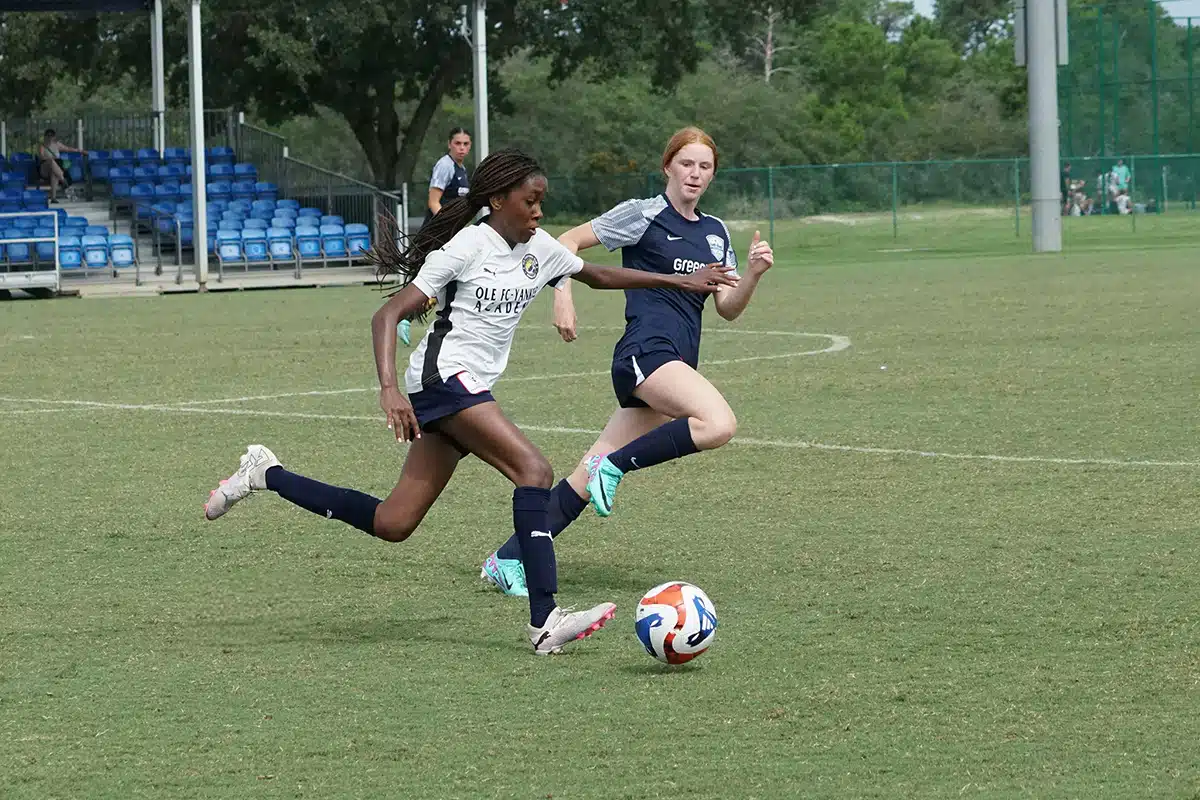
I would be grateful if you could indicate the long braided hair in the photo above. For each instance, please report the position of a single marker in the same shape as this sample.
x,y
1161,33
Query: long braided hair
x,y
396,254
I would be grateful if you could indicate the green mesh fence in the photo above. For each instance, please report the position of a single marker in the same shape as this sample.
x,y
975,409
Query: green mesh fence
x,y
972,205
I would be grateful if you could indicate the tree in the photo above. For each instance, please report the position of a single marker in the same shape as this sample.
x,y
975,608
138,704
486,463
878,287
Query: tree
x,y
36,49
386,65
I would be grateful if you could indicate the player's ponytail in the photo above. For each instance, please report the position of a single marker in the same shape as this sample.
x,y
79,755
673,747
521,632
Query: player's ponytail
x,y
403,256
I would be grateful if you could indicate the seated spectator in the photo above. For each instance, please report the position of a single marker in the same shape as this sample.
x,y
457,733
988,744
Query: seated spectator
x,y
50,163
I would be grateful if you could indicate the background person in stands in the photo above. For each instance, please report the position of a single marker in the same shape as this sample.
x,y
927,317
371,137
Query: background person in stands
x,y
448,182
50,163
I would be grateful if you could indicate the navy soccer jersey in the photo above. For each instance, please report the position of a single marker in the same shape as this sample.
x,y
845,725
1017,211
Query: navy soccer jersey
x,y
654,237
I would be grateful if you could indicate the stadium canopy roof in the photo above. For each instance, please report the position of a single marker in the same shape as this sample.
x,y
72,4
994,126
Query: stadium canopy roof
x,y
74,5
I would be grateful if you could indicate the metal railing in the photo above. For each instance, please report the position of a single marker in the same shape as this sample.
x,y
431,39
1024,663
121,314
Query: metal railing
x,y
116,131
265,150
352,200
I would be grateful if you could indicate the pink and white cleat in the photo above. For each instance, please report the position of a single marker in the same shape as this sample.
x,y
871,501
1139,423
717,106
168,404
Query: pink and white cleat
x,y
251,476
564,627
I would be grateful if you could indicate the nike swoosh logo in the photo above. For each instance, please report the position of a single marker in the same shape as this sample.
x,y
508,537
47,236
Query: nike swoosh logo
x,y
633,461
489,271
673,238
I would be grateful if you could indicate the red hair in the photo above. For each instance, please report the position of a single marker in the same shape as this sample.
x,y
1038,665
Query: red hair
x,y
685,136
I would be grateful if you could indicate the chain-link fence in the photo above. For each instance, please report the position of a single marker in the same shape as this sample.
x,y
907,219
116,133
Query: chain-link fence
x,y
970,205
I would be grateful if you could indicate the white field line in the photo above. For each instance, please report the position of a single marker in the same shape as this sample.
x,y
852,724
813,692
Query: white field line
x,y
837,343
741,441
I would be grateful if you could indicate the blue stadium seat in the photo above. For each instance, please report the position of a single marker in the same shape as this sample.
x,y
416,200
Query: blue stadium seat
x,y
286,211
229,225
23,224
99,163
286,223
185,191
266,205
310,212
95,251
120,249
332,219
75,221
11,180
245,172
219,190
333,241
123,158
254,244
229,245
187,229
120,179
172,172
18,252
308,243
75,170
180,156
233,213
96,230
142,195
279,244
44,250
266,191
35,200
217,206
288,203
10,200
221,172
148,157
255,224
220,155
243,190
358,239
70,252
145,174
242,205
78,231
167,191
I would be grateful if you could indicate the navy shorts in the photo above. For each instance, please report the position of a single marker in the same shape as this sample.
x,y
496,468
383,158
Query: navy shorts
x,y
631,367
441,400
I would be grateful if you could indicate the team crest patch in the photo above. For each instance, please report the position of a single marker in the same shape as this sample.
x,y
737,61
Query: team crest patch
x,y
717,245
529,265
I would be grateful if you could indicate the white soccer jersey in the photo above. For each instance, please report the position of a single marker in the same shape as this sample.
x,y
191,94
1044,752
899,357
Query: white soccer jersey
x,y
482,288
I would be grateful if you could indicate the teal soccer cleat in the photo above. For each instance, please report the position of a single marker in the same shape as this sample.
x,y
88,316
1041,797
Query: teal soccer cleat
x,y
506,574
603,478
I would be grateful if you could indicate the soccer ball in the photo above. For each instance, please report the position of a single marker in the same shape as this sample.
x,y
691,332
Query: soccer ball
x,y
675,622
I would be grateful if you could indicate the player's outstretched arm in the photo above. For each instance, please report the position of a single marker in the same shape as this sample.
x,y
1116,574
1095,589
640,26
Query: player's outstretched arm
x,y
400,416
731,303
705,281
581,237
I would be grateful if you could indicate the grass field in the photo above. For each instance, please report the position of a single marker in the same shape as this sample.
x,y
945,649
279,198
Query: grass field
x,y
970,573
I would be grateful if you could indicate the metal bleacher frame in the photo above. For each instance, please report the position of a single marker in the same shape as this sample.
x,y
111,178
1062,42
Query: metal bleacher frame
x,y
49,279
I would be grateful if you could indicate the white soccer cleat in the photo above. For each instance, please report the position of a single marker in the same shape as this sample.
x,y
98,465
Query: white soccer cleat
x,y
565,626
251,476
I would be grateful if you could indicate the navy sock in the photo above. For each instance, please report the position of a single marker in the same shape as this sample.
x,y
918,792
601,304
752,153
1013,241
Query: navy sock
x,y
668,441
332,502
530,513
565,508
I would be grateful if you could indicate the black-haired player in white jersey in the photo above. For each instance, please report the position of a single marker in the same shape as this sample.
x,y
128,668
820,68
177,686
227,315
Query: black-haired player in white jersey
x,y
483,278
667,409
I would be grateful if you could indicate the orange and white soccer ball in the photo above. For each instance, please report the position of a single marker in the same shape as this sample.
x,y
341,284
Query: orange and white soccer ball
x,y
675,622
